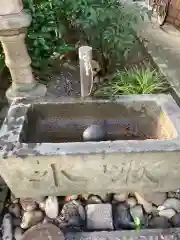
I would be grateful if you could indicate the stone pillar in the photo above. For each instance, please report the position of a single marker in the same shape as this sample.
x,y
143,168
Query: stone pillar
x,y
13,23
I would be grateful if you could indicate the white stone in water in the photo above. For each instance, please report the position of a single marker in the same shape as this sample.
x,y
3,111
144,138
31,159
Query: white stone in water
x,y
168,213
31,218
52,207
131,202
94,133
121,197
7,227
148,207
18,232
173,203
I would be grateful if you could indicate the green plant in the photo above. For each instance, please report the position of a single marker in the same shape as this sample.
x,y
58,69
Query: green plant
x,y
137,222
133,81
44,38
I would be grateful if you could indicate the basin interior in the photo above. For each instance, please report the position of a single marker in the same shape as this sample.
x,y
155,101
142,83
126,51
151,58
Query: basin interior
x,y
57,123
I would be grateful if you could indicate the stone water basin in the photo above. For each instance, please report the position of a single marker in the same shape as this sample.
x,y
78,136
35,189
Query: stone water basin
x,y
43,153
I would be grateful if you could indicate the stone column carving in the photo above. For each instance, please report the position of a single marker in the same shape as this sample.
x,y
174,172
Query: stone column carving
x,y
13,23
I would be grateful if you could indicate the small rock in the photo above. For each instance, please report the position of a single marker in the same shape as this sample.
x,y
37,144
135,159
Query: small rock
x,y
72,215
28,204
82,213
15,209
175,220
52,207
154,211
121,197
94,199
168,213
42,205
7,227
16,222
122,217
99,216
131,202
156,198
14,199
18,233
159,222
31,218
94,133
173,203
73,197
137,212
141,200
174,195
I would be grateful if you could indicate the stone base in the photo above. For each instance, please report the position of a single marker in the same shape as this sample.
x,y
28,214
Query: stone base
x,y
39,90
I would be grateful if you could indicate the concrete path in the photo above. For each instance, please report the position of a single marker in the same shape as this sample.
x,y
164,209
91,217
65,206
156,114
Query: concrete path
x,y
163,44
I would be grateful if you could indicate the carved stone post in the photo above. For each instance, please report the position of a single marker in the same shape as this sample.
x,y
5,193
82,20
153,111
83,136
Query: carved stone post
x,y
13,23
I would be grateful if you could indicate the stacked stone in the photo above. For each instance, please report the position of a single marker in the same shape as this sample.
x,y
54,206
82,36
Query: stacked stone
x,y
13,23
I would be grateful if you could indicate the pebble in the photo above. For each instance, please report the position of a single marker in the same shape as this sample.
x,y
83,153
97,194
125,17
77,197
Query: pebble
x,y
16,222
122,217
28,204
18,233
42,205
131,201
137,212
148,207
159,222
14,199
94,133
156,198
99,216
175,220
31,218
15,209
168,213
52,207
7,227
174,195
121,197
94,199
173,203
72,215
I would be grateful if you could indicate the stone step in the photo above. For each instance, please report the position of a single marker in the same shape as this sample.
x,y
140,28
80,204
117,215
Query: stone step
x,y
144,234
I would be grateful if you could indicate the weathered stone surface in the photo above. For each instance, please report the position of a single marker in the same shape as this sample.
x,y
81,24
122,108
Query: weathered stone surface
x,y
99,217
52,168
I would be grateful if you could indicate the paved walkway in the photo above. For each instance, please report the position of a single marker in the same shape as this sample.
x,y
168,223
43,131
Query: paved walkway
x,y
163,44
